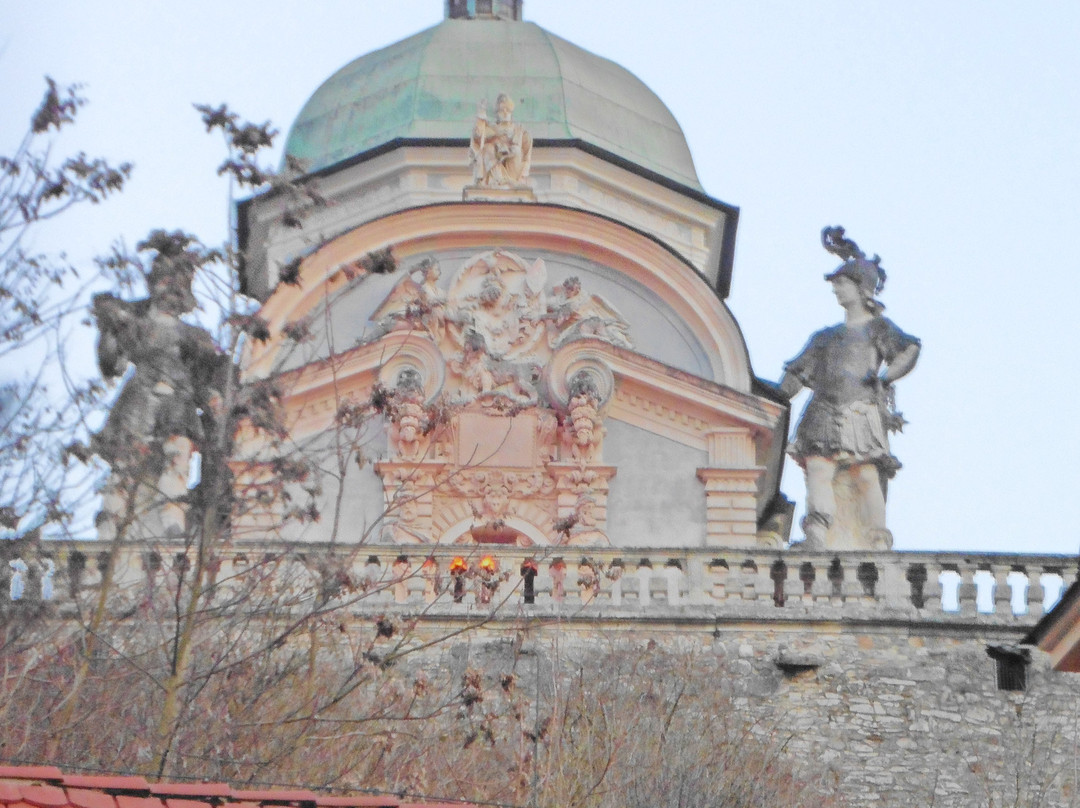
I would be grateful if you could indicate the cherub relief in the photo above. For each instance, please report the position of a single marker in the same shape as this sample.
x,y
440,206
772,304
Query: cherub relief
x,y
415,303
572,315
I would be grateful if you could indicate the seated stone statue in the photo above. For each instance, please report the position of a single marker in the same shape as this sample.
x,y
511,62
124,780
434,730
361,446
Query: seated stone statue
x,y
842,439
500,152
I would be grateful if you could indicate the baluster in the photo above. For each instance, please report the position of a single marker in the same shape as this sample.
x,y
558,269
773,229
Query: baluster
x,y
529,569
795,585
400,587
851,590
719,575
1002,589
695,579
933,590
837,578
967,592
615,573
1035,594
644,582
748,574
868,577
674,576
557,571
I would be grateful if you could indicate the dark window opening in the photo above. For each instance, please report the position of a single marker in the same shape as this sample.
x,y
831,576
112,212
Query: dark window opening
x,y
1012,664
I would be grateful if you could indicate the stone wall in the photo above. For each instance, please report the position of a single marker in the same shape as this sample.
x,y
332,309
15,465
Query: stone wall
x,y
881,716
901,716
871,669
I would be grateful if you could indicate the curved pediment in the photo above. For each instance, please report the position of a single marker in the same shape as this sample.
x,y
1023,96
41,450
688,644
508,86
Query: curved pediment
x,y
504,344
671,313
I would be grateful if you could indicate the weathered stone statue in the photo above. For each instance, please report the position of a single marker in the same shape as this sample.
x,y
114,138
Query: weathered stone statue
x,y
842,439
500,152
160,416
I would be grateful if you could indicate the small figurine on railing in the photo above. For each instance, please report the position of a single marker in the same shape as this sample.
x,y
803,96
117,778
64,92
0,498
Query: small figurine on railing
x,y
458,570
842,439
529,570
487,574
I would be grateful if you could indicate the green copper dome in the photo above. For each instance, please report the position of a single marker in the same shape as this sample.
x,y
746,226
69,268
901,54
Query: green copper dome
x,y
428,87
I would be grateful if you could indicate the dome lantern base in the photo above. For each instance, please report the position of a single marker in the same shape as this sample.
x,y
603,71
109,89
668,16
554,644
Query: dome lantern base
x,y
483,9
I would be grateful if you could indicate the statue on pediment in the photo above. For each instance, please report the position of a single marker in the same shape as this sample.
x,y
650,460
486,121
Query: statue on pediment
x,y
842,441
501,151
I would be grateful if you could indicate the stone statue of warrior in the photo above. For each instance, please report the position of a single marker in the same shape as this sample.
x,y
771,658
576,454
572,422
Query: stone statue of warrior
x,y
842,439
160,416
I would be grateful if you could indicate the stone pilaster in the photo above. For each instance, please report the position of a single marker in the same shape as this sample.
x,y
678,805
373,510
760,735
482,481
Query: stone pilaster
x,y
731,487
730,506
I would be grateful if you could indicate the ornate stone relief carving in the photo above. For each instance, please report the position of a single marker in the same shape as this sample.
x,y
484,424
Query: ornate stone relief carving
x,y
584,427
496,325
482,436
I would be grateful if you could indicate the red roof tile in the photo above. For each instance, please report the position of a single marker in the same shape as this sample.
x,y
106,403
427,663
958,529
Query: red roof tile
x,y
44,796
191,789
277,796
173,802
128,801
48,787
30,773
9,792
107,782
90,798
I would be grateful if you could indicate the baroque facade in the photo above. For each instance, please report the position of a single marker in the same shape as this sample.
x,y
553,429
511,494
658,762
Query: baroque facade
x,y
518,258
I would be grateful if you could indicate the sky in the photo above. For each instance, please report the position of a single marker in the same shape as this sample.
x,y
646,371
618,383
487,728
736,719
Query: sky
x,y
944,136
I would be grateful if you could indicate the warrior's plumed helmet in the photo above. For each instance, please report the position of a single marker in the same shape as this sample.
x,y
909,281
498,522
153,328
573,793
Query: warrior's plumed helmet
x,y
865,272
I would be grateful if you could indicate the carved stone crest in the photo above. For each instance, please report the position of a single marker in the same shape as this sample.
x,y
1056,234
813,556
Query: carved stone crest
x,y
482,448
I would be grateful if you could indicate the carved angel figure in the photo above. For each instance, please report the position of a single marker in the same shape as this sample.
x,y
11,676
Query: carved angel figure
x,y
416,302
571,315
500,152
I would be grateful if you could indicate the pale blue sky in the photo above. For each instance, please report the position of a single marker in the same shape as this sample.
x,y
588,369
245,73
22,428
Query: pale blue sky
x,y
944,135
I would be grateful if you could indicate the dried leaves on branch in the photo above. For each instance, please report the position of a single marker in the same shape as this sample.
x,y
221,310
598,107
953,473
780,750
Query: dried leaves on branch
x,y
505,722
42,405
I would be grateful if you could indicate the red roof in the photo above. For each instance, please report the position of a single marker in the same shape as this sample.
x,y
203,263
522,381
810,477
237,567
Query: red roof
x,y
48,787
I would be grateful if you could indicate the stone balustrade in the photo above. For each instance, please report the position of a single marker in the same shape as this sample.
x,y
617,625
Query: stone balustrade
x,y
705,582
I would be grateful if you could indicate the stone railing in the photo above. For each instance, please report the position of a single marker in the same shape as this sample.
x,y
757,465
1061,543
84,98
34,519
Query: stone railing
x,y
708,583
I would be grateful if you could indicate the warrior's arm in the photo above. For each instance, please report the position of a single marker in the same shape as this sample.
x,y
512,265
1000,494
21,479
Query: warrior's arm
x,y
114,318
902,364
790,384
